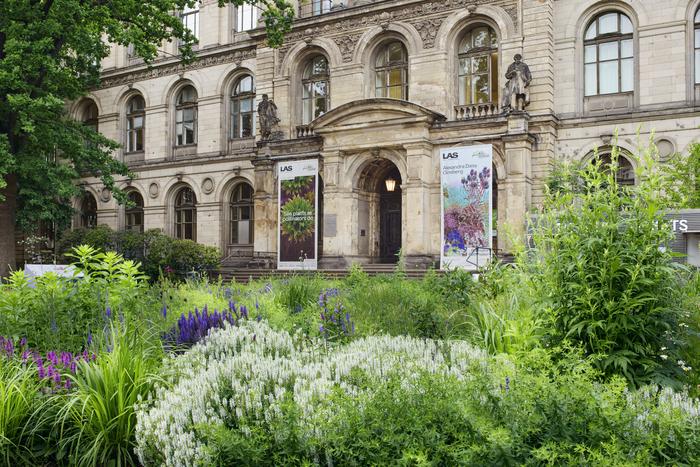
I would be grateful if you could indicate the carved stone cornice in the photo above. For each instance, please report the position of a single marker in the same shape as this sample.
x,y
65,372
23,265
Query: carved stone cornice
x,y
157,71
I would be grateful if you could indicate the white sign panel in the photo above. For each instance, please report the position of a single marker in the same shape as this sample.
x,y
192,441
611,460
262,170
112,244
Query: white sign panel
x,y
466,223
297,232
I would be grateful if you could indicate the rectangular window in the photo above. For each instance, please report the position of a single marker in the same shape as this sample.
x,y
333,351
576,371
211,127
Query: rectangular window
x,y
591,79
190,19
246,17
627,75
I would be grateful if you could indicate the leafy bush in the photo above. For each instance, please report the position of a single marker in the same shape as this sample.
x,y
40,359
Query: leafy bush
x,y
155,250
610,286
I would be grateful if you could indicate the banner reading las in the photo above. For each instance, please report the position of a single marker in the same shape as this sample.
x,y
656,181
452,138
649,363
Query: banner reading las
x,y
298,205
465,174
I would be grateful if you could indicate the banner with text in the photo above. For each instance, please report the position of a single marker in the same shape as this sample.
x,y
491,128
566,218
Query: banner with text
x,y
465,175
298,205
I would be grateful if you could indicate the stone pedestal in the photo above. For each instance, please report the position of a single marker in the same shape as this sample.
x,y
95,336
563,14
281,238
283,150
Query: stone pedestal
x,y
518,183
265,209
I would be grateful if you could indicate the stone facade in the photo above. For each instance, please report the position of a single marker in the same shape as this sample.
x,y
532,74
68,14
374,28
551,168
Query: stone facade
x,y
361,138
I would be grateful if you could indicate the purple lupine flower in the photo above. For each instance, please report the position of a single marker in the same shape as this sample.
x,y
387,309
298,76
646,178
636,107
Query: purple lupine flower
x,y
23,342
164,311
67,385
108,312
89,338
41,371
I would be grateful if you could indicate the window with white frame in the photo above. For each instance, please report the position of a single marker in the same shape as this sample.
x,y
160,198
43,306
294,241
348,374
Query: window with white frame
x,y
135,124
186,117
246,17
243,108
609,55
315,89
190,19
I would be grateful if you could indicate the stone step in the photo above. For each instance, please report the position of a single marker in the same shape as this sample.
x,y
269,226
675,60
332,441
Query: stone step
x,y
244,275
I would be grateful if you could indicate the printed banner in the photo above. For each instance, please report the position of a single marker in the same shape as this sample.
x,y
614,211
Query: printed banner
x,y
298,205
465,174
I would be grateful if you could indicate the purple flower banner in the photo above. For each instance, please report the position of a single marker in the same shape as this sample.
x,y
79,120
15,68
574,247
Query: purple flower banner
x,y
466,181
297,233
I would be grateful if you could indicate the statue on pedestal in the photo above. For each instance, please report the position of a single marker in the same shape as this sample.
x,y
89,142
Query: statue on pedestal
x,y
516,95
267,116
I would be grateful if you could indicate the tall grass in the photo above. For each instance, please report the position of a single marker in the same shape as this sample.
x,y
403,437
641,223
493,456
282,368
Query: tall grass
x,y
95,423
19,392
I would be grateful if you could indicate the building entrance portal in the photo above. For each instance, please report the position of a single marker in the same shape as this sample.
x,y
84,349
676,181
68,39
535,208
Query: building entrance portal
x,y
379,212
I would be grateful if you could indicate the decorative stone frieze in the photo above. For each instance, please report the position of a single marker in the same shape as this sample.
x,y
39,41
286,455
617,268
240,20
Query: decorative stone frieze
x,y
157,71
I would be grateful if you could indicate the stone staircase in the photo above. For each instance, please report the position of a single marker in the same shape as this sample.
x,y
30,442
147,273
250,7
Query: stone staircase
x,y
246,274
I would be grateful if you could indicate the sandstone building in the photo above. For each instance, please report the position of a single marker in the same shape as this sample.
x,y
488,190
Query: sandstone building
x,y
374,90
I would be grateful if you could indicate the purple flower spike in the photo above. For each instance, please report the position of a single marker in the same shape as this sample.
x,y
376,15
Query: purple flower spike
x,y
89,338
164,311
23,342
108,312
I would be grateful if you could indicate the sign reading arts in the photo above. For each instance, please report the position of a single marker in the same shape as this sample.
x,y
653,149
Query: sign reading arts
x,y
466,223
298,206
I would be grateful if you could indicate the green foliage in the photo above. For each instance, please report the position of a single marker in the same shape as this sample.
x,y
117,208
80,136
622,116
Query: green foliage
x,y
683,178
57,59
95,423
298,293
19,393
601,271
158,252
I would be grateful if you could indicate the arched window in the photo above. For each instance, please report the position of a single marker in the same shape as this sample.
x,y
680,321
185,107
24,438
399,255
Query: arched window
x,y
246,17
315,92
186,116
134,211
135,124
391,71
625,171
609,55
241,215
243,108
697,46
90,116
186,214
88,211
478,67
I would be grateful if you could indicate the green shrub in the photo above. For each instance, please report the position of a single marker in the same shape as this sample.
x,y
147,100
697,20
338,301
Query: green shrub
x,y
156,251
610,286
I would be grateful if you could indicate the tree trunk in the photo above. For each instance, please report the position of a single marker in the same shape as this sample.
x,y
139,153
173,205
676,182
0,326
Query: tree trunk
x,y
7,226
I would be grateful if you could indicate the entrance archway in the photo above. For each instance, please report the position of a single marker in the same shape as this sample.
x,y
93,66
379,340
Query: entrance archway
x,y
380,211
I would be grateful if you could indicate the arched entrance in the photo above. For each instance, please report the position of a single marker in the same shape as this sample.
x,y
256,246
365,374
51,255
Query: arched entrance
x,y
380,211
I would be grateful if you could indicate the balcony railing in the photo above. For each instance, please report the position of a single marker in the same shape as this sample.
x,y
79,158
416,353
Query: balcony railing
x,y
305,131
309,8
474,111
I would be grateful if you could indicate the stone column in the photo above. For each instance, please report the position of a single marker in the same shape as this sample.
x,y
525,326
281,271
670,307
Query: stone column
x,y
337,225
416,220
518,183
265,211
208,219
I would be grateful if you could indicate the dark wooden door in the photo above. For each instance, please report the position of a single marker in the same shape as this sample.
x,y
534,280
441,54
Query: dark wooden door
x,y
389,227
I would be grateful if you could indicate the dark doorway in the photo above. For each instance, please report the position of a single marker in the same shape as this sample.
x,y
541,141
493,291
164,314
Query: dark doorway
x,y
390,217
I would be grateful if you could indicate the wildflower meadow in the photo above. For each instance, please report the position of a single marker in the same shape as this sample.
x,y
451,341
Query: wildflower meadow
x,y
567,356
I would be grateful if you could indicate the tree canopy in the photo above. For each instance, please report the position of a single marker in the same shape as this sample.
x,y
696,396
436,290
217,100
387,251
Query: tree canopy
x,y
50,52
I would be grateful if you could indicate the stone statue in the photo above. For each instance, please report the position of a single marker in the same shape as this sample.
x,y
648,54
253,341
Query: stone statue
x,y
267,116
516,95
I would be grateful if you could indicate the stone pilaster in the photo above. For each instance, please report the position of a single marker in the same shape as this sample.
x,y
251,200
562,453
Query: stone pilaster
x,y
416,221
518,184
265,209
337,219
